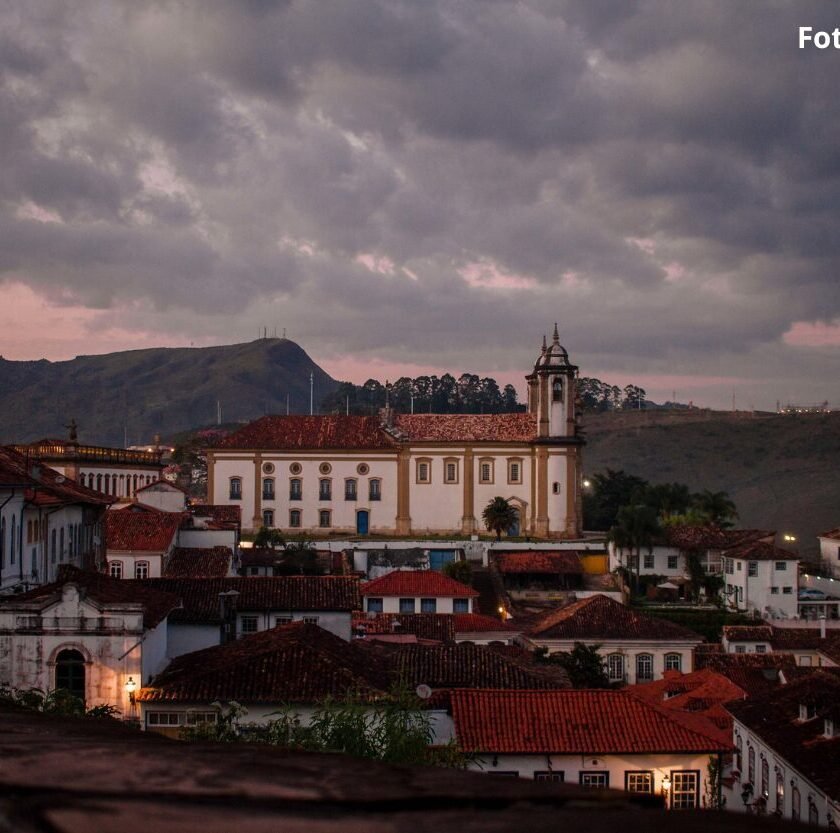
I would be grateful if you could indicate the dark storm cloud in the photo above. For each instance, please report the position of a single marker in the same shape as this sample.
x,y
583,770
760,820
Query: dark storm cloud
x,y
426,179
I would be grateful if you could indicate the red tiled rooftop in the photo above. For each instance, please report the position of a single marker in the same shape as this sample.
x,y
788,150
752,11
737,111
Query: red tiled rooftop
x,y
200,596
310,432
436,626
761,551
467,427
711,537
478,623
536,561
600,617
754,673
157,604
225,516
581,722
834,534
414,583
195,562
296,663
146,531
747,633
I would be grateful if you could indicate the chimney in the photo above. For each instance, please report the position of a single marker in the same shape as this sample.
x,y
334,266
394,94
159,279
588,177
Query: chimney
x,y
822,626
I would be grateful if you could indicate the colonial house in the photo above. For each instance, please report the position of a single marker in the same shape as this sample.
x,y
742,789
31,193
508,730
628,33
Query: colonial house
x,y
763,579
803,644
118,472
830,551
668,556
140,542
417,591
88,634
404,474
598,739
300,665
787,751
163,495
219,610
636,648
47,520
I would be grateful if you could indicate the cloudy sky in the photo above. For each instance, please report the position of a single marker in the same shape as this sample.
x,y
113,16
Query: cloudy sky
x,y
422,185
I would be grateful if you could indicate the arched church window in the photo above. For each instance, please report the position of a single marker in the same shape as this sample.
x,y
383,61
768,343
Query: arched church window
x,y
557,389
70,672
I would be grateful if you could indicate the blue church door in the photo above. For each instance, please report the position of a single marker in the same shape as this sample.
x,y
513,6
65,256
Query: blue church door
x,y
514,527
362,522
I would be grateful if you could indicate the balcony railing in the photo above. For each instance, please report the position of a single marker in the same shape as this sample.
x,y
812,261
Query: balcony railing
x,y
70,624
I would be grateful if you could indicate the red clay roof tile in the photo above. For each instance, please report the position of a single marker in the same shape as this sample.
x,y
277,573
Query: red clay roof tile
x,y
539,561
146,531
310,432
414,583
195,562
467,427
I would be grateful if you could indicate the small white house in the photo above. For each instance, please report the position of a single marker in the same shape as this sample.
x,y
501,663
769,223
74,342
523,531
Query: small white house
x,y
763,579
573,737
140,541
830,551
162,495
417,591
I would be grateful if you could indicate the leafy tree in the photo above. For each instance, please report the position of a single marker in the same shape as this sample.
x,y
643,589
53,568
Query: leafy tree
x,y
585,666
458,570
499,516
300,558
268,538
668,499
607,493
718,508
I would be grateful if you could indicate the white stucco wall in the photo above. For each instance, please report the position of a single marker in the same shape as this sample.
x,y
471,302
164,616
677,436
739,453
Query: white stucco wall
x,y
830,555
207,538
163,497
745,592
444,604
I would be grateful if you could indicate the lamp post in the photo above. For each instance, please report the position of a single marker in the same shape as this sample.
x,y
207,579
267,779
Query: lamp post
x,y
666,791
131,688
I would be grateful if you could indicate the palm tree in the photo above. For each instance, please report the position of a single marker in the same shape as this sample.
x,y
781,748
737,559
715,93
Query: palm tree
x,y
717,507
636,526
499,516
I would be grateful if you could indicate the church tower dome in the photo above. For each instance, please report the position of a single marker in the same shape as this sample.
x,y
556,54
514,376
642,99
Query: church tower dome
x,y
551,389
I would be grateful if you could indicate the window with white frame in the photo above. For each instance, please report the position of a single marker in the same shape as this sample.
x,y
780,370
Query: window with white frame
x,y
648,561
787,591
235,488
268,488
685,789
249,624
485,470
638,781
450,470
324,518
673,662
781,566
673,562
325,489
286,619
374,605
514,470
164,718
428,605
615,667
268,518
350,488
141,569
310,620
115,568
294,518
550,775
460,605
375,489
406,605
595,780
197,718
644,667
295,488
752,569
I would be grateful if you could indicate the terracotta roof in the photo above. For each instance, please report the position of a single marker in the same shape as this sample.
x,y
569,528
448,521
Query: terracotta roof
x,y
466,665
830,648
478,623
104,589
600,617
310,432
200,596
414,583
761,551
582,722
747,633
467,427
538,561
195,562
712,537
834,534
224,516
754,673
44,485
774,718
436,626
294,663
146,531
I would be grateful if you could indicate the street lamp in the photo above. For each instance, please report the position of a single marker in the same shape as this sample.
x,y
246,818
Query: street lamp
x,y
131,687
587,484
666,791
790,539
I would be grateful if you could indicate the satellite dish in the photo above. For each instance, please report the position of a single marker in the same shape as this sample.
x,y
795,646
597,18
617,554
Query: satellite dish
x,y
423,691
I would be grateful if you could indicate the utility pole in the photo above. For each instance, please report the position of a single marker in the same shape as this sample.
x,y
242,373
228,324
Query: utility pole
x,y
347,405
218,412
287,403
311,394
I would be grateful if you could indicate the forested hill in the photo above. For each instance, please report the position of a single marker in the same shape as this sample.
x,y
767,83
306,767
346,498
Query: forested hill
x,y
139,393
780,470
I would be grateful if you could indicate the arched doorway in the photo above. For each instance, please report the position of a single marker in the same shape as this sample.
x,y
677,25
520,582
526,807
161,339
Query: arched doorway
x,y
514,529
70,672
362,522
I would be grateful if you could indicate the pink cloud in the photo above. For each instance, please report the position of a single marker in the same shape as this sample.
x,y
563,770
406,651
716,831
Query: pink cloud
x,y
34,328
381,265
485,274
813,334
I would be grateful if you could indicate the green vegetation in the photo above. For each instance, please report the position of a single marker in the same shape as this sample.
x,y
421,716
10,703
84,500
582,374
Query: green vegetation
x,y
395,729
708,623
54,701
459,571
499,516
585,666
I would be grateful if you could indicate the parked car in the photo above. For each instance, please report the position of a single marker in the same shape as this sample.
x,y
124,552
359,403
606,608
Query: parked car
x,y
810,594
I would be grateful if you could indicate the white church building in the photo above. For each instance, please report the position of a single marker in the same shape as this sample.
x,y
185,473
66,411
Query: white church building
x,y
409,474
